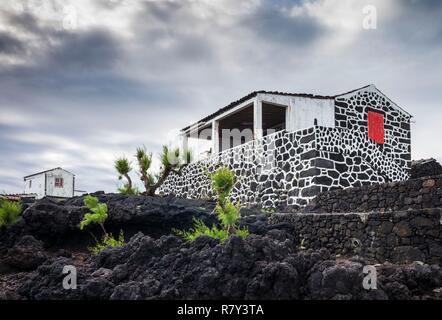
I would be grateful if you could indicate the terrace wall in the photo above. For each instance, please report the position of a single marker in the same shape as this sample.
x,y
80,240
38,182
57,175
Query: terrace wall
x,y
397,236
418,193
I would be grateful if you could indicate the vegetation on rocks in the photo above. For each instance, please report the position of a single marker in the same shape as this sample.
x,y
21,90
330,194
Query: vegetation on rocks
x,y
128,191
9,212
108,241
223,181
98,215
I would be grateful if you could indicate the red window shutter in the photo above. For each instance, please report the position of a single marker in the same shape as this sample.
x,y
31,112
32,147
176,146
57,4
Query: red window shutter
x,y
376,126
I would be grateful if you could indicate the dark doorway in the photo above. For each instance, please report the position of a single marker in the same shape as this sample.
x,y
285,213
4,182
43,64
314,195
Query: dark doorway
x,y
273,118
236,128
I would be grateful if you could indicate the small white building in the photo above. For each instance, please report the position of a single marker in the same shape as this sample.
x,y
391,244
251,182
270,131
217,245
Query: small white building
x,y
55,182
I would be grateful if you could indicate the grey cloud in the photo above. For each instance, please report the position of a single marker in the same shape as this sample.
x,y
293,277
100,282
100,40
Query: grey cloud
x,y
87,66
10,45
24,21
82,65
170,21
91,83
425,5
273,24
11,148
96,49
416,23
85,52
7,184
165,11
112,4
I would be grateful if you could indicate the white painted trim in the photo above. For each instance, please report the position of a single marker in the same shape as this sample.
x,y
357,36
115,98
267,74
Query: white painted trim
x,y
288,110
257,118
281,100
215,137
290,123
184,141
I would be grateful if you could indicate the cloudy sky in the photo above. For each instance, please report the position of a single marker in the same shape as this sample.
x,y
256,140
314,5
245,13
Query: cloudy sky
x,y
83,82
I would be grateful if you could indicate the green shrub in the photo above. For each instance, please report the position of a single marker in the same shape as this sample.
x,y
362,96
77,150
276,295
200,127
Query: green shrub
x,y
98,215
9,212
228,214
200,229
223,181
242,232
128,190
108,241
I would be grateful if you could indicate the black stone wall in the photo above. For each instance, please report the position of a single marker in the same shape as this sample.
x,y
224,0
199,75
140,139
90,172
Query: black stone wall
x,y
425,168
397,221
411,194
400,236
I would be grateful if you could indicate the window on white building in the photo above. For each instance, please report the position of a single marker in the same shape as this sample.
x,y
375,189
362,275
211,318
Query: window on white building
x,y
59,182
30,184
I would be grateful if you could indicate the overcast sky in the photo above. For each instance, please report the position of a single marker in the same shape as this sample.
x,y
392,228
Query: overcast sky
x,y
83,82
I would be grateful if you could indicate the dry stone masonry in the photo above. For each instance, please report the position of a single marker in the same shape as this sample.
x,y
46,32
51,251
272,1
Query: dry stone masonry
x,y
425,168
398,236
290,168
421,193
396,221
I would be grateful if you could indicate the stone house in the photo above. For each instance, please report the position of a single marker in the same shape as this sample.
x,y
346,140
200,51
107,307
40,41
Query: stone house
x,y
287,147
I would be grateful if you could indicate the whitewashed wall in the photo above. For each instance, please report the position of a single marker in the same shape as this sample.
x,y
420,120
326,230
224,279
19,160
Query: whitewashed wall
x,y
304,111
37,185
68,184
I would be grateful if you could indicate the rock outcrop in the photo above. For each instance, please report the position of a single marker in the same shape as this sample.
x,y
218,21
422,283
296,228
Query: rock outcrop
x,y
27,254
287,256
256,268
56,221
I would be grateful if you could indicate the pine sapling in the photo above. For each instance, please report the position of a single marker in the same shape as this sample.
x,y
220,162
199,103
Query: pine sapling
x,y
98,216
